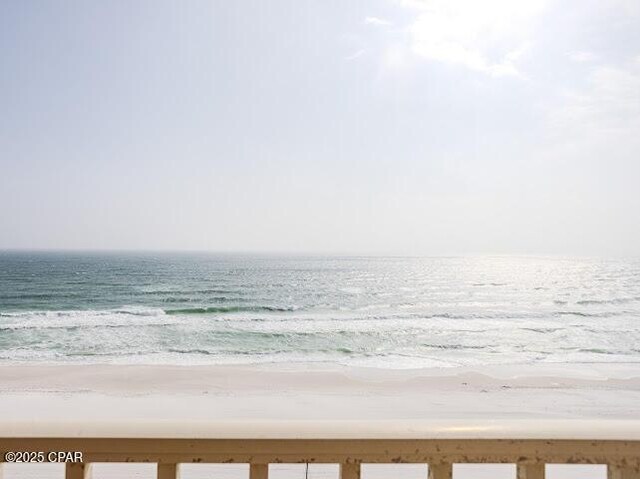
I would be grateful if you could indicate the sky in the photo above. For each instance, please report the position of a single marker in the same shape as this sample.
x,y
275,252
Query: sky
x,y
404,127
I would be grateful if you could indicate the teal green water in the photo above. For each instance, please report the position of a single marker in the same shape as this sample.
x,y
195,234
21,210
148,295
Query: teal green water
x,y
381,312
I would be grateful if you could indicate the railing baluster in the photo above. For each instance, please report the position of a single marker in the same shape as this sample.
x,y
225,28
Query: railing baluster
x,y
167,471
440,471
259,471
349,471
614,472
531,471
77,470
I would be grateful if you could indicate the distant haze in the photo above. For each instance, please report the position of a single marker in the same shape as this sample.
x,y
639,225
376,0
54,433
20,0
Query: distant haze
x,y
386,127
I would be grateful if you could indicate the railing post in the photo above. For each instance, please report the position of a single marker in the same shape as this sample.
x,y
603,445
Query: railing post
x,y
440,471
167,471
614,472
77,470
259,471
530,471
350,471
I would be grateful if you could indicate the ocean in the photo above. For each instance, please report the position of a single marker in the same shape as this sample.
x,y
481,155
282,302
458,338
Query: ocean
x,y
383,312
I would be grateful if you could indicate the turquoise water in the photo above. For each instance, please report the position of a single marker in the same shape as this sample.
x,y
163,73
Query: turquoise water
x,y
380,312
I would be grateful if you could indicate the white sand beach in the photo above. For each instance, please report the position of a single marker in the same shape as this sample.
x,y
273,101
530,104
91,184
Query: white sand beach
x,y
296,392
598,401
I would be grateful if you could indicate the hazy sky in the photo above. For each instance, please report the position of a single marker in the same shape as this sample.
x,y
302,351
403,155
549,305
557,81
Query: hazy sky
x,y
390,126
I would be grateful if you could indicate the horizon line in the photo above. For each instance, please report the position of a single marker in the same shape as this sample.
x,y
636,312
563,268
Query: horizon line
x,y
308,253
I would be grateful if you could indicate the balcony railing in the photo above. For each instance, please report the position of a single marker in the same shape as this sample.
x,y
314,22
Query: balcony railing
x,y
530,444
622,457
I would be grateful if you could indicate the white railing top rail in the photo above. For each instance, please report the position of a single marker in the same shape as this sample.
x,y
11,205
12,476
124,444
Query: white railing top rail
x,y
468,429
